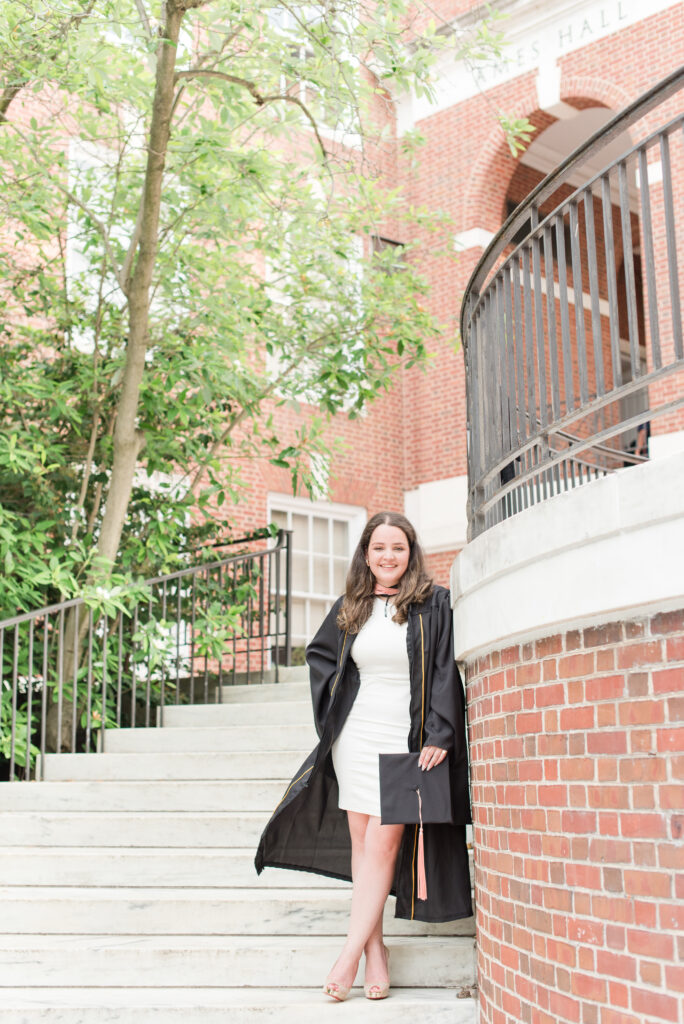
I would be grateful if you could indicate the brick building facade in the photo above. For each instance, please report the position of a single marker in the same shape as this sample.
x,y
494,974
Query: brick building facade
x,y
571,67
573,655
570,642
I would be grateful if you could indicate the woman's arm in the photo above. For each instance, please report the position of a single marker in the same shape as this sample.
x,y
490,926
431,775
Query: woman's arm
x,y
321,657
445,722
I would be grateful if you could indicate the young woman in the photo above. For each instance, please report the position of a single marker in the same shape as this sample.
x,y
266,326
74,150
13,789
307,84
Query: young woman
x,y
383,680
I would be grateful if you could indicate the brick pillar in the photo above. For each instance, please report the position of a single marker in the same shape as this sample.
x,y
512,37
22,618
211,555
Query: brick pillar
x,y
577,746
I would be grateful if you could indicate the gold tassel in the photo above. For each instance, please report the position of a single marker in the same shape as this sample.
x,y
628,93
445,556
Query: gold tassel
x,y
422,880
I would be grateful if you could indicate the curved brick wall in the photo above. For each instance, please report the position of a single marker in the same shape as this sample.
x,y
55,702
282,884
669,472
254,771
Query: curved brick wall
x,y
577,747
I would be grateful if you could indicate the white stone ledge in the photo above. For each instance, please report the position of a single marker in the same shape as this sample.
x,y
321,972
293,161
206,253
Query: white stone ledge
x,y
437,510
611,549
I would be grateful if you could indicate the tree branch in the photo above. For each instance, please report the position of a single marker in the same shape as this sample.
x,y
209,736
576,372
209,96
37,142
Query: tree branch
x,y
97,497
144,19
6,98
11,91
102,230
258,97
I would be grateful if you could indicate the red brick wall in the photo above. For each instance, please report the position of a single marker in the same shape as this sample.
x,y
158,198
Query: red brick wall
x,y
577,748
439,566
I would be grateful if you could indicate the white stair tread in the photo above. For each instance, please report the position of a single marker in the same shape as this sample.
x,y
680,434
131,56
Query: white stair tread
x,y
165,893
247,739
107,795
75,943
182,911
239,713
258,692
208,829
142,815
102,961
268,764
184,999
144,867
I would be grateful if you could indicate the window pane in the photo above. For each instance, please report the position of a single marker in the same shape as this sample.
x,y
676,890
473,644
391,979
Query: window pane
x,y
339,576
300,572
340,538
321,573
300,537
320,535
298,617
283,575
279,518
316,614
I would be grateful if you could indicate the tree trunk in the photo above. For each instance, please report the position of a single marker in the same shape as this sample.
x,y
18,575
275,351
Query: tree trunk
x,y
128,441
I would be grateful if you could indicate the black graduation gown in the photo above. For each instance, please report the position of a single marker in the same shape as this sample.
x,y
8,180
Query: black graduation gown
x,y
308,831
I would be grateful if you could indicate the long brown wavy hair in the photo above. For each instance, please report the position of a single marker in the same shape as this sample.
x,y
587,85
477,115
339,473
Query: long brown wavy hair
x,y
415,586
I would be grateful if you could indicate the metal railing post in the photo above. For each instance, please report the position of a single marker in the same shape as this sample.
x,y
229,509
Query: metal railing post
x,y
288,598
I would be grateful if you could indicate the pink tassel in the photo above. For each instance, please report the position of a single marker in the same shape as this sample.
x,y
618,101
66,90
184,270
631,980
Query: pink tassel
x,y
422,880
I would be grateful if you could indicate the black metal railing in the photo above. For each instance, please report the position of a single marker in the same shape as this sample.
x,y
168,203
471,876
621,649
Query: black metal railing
x,y
117,658
567,333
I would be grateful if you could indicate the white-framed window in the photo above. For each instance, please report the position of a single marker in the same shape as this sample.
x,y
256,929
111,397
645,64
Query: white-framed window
x,y
334,122
324,536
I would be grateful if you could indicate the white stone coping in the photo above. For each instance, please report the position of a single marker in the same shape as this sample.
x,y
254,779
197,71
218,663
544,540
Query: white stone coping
x,y
609,549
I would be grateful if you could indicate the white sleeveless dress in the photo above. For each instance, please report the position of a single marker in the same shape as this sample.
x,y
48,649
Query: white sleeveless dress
x,y
380,719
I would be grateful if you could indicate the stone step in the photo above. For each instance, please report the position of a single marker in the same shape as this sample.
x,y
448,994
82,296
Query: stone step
x,y
267,713
122,828
227,1006
296,689
148,867
248,739
121,911
104,961
269,764
204,795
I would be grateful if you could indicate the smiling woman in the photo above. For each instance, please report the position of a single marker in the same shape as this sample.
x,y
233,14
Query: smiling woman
x,y
388,555
383,680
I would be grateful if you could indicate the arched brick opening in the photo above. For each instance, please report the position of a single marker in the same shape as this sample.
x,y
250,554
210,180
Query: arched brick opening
x,y
495,166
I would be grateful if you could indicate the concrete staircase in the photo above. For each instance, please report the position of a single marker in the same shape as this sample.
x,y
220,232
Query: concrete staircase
x,y
128,889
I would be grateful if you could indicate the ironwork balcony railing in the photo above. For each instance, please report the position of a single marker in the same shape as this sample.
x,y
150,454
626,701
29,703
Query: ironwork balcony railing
x,y
71,671
555,396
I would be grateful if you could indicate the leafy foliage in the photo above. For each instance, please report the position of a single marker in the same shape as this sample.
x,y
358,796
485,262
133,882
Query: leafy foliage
x,y
189,193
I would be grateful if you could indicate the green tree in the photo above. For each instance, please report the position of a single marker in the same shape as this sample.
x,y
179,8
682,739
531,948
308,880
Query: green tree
x,y
190,189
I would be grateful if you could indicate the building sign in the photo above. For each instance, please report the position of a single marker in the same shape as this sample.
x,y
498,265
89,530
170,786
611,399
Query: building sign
x,y
536,35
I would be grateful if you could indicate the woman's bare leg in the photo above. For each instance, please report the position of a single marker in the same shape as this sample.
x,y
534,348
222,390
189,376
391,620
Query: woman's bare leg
x,y
374,853
374,949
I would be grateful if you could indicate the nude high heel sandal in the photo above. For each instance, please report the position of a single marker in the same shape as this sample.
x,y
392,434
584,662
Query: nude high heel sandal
x,y
335,991
378,991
